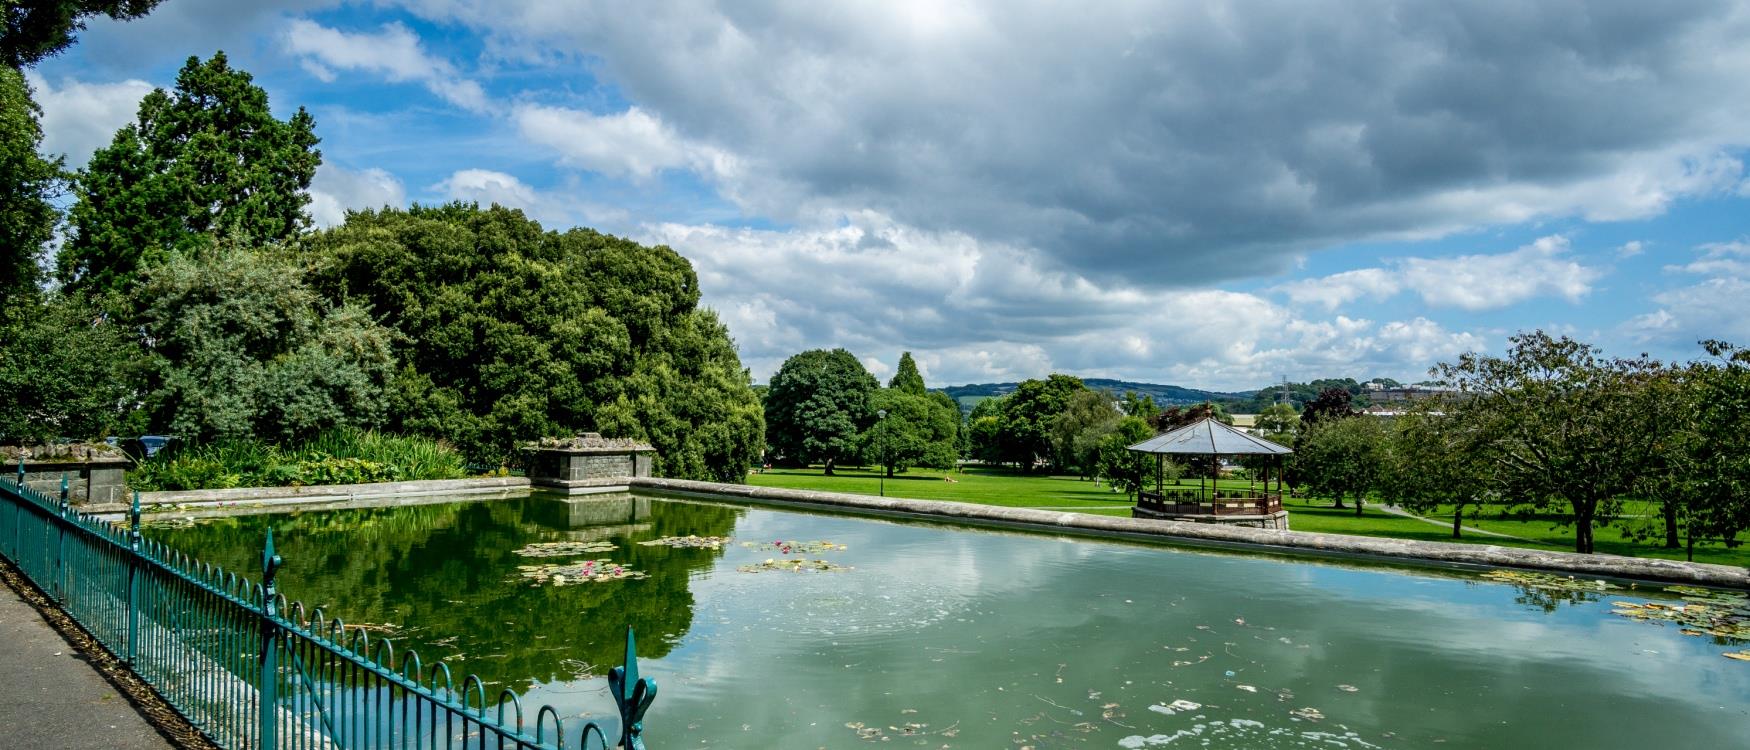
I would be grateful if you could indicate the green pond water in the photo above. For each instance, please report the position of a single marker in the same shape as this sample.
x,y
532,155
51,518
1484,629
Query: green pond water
x,y
947,637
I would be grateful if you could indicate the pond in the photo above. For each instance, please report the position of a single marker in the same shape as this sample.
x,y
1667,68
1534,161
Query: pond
x,y
936,636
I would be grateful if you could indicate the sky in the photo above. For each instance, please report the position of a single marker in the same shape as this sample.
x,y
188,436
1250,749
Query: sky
x,y
1206,193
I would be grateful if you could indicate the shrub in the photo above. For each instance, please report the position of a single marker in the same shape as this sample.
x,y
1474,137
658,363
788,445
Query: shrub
x,y
340,456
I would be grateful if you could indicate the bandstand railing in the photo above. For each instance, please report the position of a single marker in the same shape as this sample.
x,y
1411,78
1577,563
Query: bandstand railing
x,y
250,669
1194,501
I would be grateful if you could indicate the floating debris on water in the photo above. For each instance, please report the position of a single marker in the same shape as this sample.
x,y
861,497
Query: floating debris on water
x,y
688,542
1309,713
790,547
1348,688
564,549
793,565
1550,581
1178,706
568,574
1720,614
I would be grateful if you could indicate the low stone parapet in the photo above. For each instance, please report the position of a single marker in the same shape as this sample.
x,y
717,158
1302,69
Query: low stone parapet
x,y
1215,535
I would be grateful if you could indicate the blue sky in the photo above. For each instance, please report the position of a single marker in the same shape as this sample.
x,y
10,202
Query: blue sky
x,y
1207,194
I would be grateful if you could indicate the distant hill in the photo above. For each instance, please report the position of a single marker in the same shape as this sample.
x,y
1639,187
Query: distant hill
x,y
1166,395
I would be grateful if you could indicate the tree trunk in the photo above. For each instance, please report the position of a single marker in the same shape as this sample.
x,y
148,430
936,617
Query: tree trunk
x,y
1691,553
1339,503
828,471
1358,505
1583,533
890,472
1670,525
1457,519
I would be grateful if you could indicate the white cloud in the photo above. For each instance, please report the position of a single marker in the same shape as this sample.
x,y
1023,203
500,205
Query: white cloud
x,y
1631,249
79,118
335,190
1339,289
1713,307
631,143
1171,141
1486,282
1467,282
972,311
394,52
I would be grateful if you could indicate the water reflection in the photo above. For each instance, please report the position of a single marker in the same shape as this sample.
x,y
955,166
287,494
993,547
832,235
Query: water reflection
x,y
448,574
944,637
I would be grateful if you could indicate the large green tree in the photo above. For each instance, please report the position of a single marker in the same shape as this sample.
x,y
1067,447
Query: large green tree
x,y
65,371
36,29
906,377
509,333
28,185
241,347
1077,431
1431,461
1341,458
910,430
1127,470
206,159
818,405
1565,428
1024,429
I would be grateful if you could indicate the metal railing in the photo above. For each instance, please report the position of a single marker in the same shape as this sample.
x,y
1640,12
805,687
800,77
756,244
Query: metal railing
x,y
1221,502
250,670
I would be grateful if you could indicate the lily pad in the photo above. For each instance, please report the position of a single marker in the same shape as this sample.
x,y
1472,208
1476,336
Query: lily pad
x,y
791,547
793,565
564,549
1550,581
1720,614
570,574
688,542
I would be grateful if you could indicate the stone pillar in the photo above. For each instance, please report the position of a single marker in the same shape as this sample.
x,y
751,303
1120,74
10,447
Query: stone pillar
x,y
586,463
95,472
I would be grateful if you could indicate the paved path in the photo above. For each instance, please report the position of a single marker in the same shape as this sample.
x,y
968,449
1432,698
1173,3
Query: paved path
x,y
1396,511
50,698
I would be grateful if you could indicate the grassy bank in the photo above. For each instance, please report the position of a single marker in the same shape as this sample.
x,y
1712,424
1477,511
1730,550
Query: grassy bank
x,y
1002,487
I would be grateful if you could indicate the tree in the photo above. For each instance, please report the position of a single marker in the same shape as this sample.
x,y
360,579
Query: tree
x,y
1023,430
1716,488
1431,460
36,29
818,406
1127,470
1278,419
507,333
1077,431
1341,458
906,377
1134,405
1331,403
65,371
984,430
206,159
1174,417
27,190
240,347
916,431
1563,425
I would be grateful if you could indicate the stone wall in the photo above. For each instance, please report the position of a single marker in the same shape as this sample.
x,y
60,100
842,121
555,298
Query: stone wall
x,y
1220,535
92,480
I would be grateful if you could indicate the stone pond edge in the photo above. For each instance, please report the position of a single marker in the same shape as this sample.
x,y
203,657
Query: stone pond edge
x,y
1406,550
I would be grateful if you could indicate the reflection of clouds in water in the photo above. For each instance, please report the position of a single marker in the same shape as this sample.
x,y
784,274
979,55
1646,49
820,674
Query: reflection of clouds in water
x,y
1246,733
1017,636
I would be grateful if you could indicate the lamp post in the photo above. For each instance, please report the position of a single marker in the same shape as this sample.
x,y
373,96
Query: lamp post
x,y
881,414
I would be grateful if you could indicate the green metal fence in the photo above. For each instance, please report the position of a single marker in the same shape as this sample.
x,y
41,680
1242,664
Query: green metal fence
x,y
252,671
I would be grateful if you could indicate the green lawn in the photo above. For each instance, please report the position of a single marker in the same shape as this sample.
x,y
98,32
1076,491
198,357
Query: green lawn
x,y
1007,488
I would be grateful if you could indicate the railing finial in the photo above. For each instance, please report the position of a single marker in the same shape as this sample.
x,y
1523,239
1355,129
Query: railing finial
x,y
270,567
632,694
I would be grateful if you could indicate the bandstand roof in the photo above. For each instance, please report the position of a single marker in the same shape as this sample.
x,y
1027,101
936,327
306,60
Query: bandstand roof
x,y
1209,437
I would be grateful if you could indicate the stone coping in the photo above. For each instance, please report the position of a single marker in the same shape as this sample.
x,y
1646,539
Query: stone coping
x,y
1180,532
323,493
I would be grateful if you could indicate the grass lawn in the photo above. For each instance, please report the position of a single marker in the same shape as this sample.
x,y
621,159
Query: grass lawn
x,y
1002,487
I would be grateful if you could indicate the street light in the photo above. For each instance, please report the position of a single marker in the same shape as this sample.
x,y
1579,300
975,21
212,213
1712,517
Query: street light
x,y
881,414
